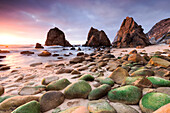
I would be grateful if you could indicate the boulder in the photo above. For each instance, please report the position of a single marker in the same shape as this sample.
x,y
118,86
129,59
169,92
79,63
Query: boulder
x,y
87,77
30,107
97,38
130,34
4,51
39,46
56,37
76,109
3,68
159,82
118,75
58,84
163,109
153,101
47,80
136,58
64,70
159,62
77,59
79,89
100,106
45,53
1,90
99,92
29,90
35,64
126,94
105,80
12,103
143,72
51,100
26,52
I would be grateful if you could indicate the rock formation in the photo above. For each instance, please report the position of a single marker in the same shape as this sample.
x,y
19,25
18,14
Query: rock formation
x,y
56,37
130,34
159,30
97,38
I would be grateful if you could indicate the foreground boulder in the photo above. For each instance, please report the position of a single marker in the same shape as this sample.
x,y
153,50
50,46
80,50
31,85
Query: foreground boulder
x,y
56,37
163,109
51,100
79,89
153,101
130,34
159,82
97,38
159,62
30,107
126,94
12,103
100,106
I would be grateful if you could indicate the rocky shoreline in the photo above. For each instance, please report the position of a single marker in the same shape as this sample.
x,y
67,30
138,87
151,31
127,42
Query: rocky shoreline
x,y
107,80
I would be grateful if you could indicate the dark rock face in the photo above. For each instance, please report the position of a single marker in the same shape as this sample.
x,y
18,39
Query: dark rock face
x,y
159,29
130,34
97,38
38,45
56,37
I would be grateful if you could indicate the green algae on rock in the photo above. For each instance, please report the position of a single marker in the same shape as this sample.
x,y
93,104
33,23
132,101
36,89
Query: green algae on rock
x,y
153,101
79,89
30,107
58,85
126,94
105,80
87,77
159,82
99,92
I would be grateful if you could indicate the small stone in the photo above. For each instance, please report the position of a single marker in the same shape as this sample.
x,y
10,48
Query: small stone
x,y
64,70
87,77
1,90
4,68
77,59
105,80
75,72
47,80
45,53
82,68
26,52
143,72
35,64
76,109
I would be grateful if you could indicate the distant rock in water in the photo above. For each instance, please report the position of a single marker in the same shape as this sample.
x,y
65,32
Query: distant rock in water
x,y
56,37
160,32
97,38
38,45
130,34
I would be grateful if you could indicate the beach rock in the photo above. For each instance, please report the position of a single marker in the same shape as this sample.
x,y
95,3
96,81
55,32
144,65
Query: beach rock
x,y
126,94
100,106
159,82
30,107
101,64
80,53
77,59
1,90
136,58
163,109
97,38
130,34
165,90
75,72
159,62
58,84
38,45
35,64
76,109
12,103
56,55
99,92
56,37
2,57
118,75
159,29
138,81
45,53
82,68
60,58
79,89
64,70
4,51
28,90
5,97
26,52
87,77
96,84
123,108
105,80
47,80
51,100
3,68
143,72
72,48
153,101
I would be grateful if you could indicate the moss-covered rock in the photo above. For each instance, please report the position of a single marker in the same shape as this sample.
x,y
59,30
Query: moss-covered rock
x,y
159,62
12,103
118,75
105,80
58,85
87,77
143,72
153,101
126,94
79,89
159,82
99,92
100,106
51,100
30,107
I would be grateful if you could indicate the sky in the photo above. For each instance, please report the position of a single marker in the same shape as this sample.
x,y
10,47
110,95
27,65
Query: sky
x,y
28,21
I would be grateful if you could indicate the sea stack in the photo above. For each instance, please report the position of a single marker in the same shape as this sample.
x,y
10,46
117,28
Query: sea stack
x,y
130,34
56,37
97,38
160,31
